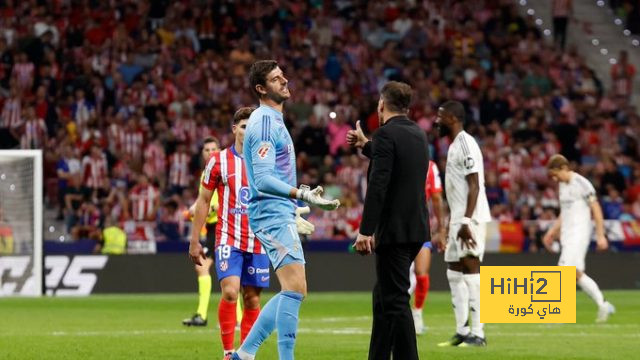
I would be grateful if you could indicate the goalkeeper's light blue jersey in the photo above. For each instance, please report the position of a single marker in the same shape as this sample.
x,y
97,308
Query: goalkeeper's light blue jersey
x,y
271,169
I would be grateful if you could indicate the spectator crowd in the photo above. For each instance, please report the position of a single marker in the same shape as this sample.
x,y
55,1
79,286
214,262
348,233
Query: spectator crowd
x,y
120,95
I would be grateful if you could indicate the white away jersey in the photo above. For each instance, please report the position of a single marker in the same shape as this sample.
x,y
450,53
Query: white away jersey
x,y
464,158
575,200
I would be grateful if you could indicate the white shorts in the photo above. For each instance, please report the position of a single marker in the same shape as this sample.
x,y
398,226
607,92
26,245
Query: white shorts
x,y
573,253
454,251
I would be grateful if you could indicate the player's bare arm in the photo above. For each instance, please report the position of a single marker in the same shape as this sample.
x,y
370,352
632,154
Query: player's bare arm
x,y
551,234
196,253
601,240
440,238
464,234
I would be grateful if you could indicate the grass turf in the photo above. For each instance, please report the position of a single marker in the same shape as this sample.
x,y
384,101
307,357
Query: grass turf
x,y
332,326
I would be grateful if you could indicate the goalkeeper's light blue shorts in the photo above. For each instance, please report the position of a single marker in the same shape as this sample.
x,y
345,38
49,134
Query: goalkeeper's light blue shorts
x,y
282,244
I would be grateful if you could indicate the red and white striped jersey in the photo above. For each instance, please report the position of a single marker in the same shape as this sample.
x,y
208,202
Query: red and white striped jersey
x,y
226,173
115,137
12,113
95,174
434,183
179,169
133,143
143,199
35,132
155,160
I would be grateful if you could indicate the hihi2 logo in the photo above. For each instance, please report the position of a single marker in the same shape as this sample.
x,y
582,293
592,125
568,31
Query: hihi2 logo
x,y
528,294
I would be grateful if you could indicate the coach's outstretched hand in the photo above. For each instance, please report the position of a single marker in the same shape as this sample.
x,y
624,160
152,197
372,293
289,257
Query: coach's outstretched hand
x,y
196,253
303,226
314,197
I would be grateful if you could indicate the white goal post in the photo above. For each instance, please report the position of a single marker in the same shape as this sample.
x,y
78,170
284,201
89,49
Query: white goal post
x,y
21,211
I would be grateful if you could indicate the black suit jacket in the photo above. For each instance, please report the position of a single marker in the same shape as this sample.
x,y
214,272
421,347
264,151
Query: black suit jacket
x,y
395,207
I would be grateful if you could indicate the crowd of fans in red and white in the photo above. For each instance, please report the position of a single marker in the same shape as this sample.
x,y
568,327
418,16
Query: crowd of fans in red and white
x,y
121,94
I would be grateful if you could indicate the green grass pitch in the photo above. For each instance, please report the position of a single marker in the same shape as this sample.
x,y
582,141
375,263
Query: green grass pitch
x,y
332,326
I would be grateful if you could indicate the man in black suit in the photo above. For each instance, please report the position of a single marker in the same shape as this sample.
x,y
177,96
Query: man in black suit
x,y
395,210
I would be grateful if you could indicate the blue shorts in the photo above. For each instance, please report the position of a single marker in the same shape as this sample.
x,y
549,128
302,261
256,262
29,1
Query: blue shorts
x,y
427,245
282,244
252,269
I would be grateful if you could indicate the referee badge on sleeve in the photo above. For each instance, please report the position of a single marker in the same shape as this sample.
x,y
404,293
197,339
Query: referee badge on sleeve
x,y
469,162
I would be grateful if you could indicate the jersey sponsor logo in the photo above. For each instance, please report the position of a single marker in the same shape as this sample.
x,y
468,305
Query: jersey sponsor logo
x,y
244,196
262,271
251,270
469,162
239,211
263,151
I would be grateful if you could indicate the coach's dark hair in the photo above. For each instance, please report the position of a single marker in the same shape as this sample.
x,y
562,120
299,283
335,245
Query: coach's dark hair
x,y
258,73
454,108
242,114
396,96
210,139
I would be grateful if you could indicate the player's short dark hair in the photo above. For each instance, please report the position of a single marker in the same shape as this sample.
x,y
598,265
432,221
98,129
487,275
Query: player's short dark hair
x,y
454,108
258,73
557,162
242,114
396,96
210,139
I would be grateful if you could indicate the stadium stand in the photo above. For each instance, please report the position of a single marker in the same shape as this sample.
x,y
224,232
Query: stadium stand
x,y
121,94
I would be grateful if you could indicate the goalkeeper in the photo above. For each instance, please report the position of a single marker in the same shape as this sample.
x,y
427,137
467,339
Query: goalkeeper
x,y
271,169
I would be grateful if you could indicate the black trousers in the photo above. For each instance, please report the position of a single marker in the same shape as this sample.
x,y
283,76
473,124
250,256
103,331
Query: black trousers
x,y
393,330
560,30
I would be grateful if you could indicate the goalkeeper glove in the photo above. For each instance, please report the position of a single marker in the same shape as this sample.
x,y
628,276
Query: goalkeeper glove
x,y
304,227
314,197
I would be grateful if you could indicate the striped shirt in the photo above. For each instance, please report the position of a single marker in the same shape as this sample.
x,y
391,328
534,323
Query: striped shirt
x,y
12,113
226,173
179,169
95,173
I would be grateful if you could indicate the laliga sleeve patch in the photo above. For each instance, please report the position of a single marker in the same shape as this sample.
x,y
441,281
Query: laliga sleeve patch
x,y
263,150
207,171
469,162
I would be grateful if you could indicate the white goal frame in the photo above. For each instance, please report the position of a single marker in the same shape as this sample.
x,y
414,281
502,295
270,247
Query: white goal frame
x,y
38,203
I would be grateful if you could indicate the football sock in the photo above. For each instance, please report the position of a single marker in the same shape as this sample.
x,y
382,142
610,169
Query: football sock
x,y
248,318
227,321
204,291
473,284
422,289
412,278
591,288
460,300
287,323
262,328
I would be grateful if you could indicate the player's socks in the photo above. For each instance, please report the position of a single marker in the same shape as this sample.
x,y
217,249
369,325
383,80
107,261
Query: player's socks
x,y
262,328
227,321
460,300
591,288
473,284
422,289
248,318
204,291
287,323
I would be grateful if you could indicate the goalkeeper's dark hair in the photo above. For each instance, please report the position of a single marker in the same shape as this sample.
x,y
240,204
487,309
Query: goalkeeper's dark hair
x,y
454,108
396,96
258,73
242,114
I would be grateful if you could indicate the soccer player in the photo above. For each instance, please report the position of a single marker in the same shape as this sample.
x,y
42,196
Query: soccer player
x,y
577,202
271,168
420,266
210,146
469,208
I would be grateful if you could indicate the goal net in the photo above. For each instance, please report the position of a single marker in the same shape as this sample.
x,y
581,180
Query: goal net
x,y
21,202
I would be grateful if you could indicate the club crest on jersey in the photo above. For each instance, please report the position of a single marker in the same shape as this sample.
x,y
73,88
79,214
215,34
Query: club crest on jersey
x,y
224,265
468,162
263,151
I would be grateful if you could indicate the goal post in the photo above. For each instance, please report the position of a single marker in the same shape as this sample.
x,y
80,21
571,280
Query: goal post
x,y
21,211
